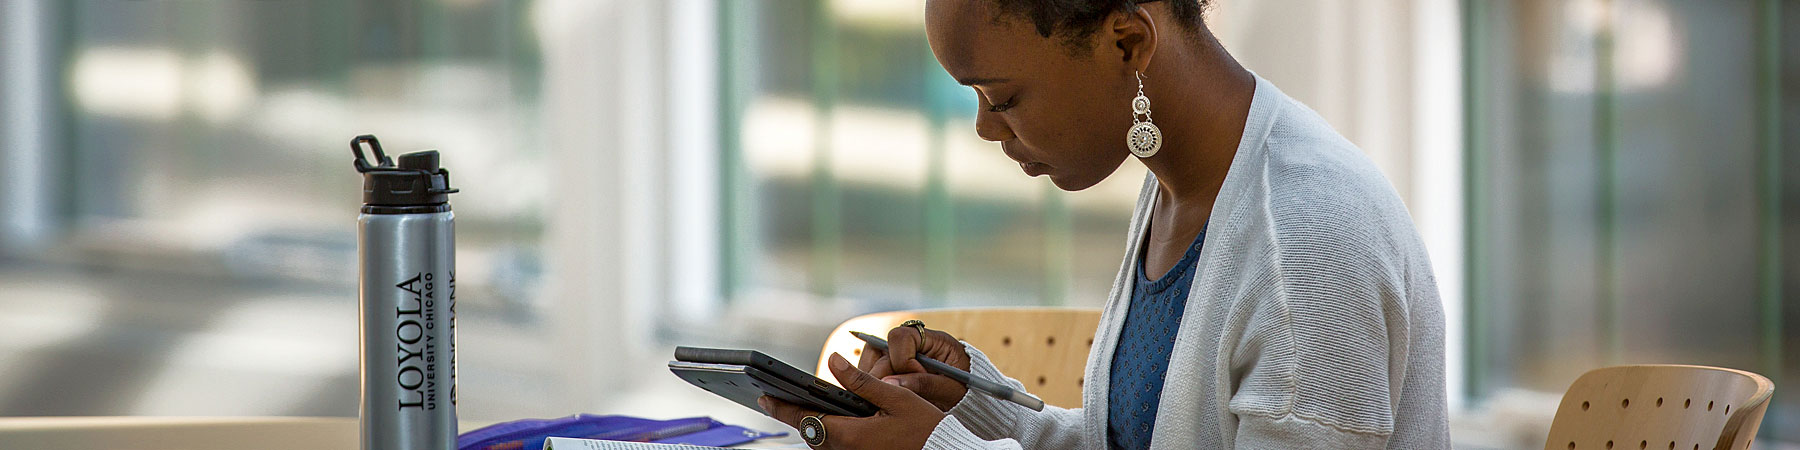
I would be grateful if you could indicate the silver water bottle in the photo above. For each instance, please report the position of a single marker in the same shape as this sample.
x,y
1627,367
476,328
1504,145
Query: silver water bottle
x,y
407,245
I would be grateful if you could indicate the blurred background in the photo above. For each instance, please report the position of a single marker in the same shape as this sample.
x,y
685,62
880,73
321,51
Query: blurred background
x,y
1599,182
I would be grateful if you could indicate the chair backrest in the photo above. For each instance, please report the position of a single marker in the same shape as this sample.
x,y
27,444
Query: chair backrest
x,y
1661,407
1045,348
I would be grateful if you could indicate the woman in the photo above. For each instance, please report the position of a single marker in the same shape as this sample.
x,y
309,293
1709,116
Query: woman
x,y
1274,293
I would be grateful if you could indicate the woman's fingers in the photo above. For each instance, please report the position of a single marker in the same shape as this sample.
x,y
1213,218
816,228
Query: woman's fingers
x,y
783,411
903,343
886,396
837,428
880,368
941,391
905,420
869,358
945,348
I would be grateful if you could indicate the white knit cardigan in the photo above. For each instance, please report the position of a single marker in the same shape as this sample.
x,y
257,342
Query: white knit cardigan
x,y
1313,320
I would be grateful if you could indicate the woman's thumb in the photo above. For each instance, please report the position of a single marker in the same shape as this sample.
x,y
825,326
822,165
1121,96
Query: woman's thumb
x,y
883,395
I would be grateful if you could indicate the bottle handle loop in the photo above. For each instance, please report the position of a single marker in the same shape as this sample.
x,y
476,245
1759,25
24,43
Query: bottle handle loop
x,y
382,162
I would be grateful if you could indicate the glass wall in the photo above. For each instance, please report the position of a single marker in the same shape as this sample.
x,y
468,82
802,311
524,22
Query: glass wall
x,y
1629,193
1629,198
199,195
854,176
205,201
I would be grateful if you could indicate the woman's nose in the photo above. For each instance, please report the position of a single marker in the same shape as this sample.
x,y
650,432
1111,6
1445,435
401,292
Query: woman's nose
x,y
991,128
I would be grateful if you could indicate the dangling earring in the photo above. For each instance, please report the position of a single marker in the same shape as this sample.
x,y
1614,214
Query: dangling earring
x,y
1144,139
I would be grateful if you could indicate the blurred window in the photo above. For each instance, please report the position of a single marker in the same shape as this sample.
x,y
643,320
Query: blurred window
x,y
853,174
225,138
1629,195
206,176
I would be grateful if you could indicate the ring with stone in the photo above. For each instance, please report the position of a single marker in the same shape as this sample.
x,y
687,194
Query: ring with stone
x,y
812,429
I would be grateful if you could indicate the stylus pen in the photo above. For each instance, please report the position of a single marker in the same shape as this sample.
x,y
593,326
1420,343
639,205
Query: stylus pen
x,y
993,388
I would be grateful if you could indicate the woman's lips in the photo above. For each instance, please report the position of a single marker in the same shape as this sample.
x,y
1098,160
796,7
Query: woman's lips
x,y
1034,168
1030,168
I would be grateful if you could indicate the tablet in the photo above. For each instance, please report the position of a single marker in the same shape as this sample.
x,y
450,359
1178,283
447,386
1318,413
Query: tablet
x,y
743,376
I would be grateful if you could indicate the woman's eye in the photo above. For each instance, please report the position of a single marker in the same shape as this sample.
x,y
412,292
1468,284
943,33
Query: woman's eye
x,y
1001,107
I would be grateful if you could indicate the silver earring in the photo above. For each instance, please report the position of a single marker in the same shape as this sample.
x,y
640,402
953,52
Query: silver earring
x,y
1144,139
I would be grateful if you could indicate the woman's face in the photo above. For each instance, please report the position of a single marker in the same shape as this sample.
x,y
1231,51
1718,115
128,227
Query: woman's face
x,y
1056,112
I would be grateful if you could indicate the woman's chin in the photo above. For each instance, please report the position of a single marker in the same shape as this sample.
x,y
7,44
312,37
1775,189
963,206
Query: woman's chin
x,y
1071,184
1061,180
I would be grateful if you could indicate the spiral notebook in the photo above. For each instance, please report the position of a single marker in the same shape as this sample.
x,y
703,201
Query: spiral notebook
x,y
557,443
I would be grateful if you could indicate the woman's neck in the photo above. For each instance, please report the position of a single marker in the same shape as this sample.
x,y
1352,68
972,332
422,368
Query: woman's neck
x,y
1200,99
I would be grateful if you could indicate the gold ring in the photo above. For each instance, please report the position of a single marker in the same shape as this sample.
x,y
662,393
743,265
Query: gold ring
x,y
917,325
812,429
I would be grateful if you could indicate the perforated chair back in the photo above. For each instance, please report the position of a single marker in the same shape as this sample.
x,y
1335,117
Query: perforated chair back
x,y
1045,348
1661,407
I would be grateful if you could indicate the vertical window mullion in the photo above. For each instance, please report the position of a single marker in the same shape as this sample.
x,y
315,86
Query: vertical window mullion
x,y
732,186
827,227
1769,188
1475,21
1057,271
1606,149
940,220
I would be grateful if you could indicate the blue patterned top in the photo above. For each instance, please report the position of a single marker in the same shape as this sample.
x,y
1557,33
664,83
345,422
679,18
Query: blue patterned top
x,y
1142,357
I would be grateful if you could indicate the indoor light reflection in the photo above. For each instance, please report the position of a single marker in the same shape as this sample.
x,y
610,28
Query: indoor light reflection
x,y
158,84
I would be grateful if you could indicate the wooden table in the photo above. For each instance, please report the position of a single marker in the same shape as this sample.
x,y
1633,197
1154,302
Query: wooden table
x,y
208,433
177,433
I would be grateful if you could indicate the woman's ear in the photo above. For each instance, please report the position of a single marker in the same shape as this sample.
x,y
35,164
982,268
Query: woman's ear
x,y
1134,33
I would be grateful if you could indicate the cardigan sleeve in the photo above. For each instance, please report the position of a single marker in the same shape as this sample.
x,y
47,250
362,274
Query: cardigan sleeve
x,y
1258,432
1323,362
1314,370
1318,379
984,422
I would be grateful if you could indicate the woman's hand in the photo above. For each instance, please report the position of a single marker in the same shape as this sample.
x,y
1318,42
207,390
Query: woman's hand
x,y
904,422
901,368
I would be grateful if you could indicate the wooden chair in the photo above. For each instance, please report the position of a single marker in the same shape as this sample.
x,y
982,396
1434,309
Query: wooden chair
x,y
1045,348
1661,407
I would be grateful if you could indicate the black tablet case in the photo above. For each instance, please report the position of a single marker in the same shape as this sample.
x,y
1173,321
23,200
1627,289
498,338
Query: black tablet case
x,y
744,375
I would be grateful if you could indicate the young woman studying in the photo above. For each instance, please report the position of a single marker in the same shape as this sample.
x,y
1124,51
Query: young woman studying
x,y
1274,293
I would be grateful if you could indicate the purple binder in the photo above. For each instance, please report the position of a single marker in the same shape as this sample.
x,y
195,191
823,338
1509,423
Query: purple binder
x,y
529,434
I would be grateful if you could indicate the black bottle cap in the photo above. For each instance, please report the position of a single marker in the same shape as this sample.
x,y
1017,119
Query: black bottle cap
x,y
416,181
425,160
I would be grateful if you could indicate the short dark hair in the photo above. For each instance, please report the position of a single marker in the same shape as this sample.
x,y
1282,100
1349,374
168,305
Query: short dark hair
x,y
1077,20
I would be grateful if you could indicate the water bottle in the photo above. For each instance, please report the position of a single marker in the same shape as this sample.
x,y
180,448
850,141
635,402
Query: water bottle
x,y
407,246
